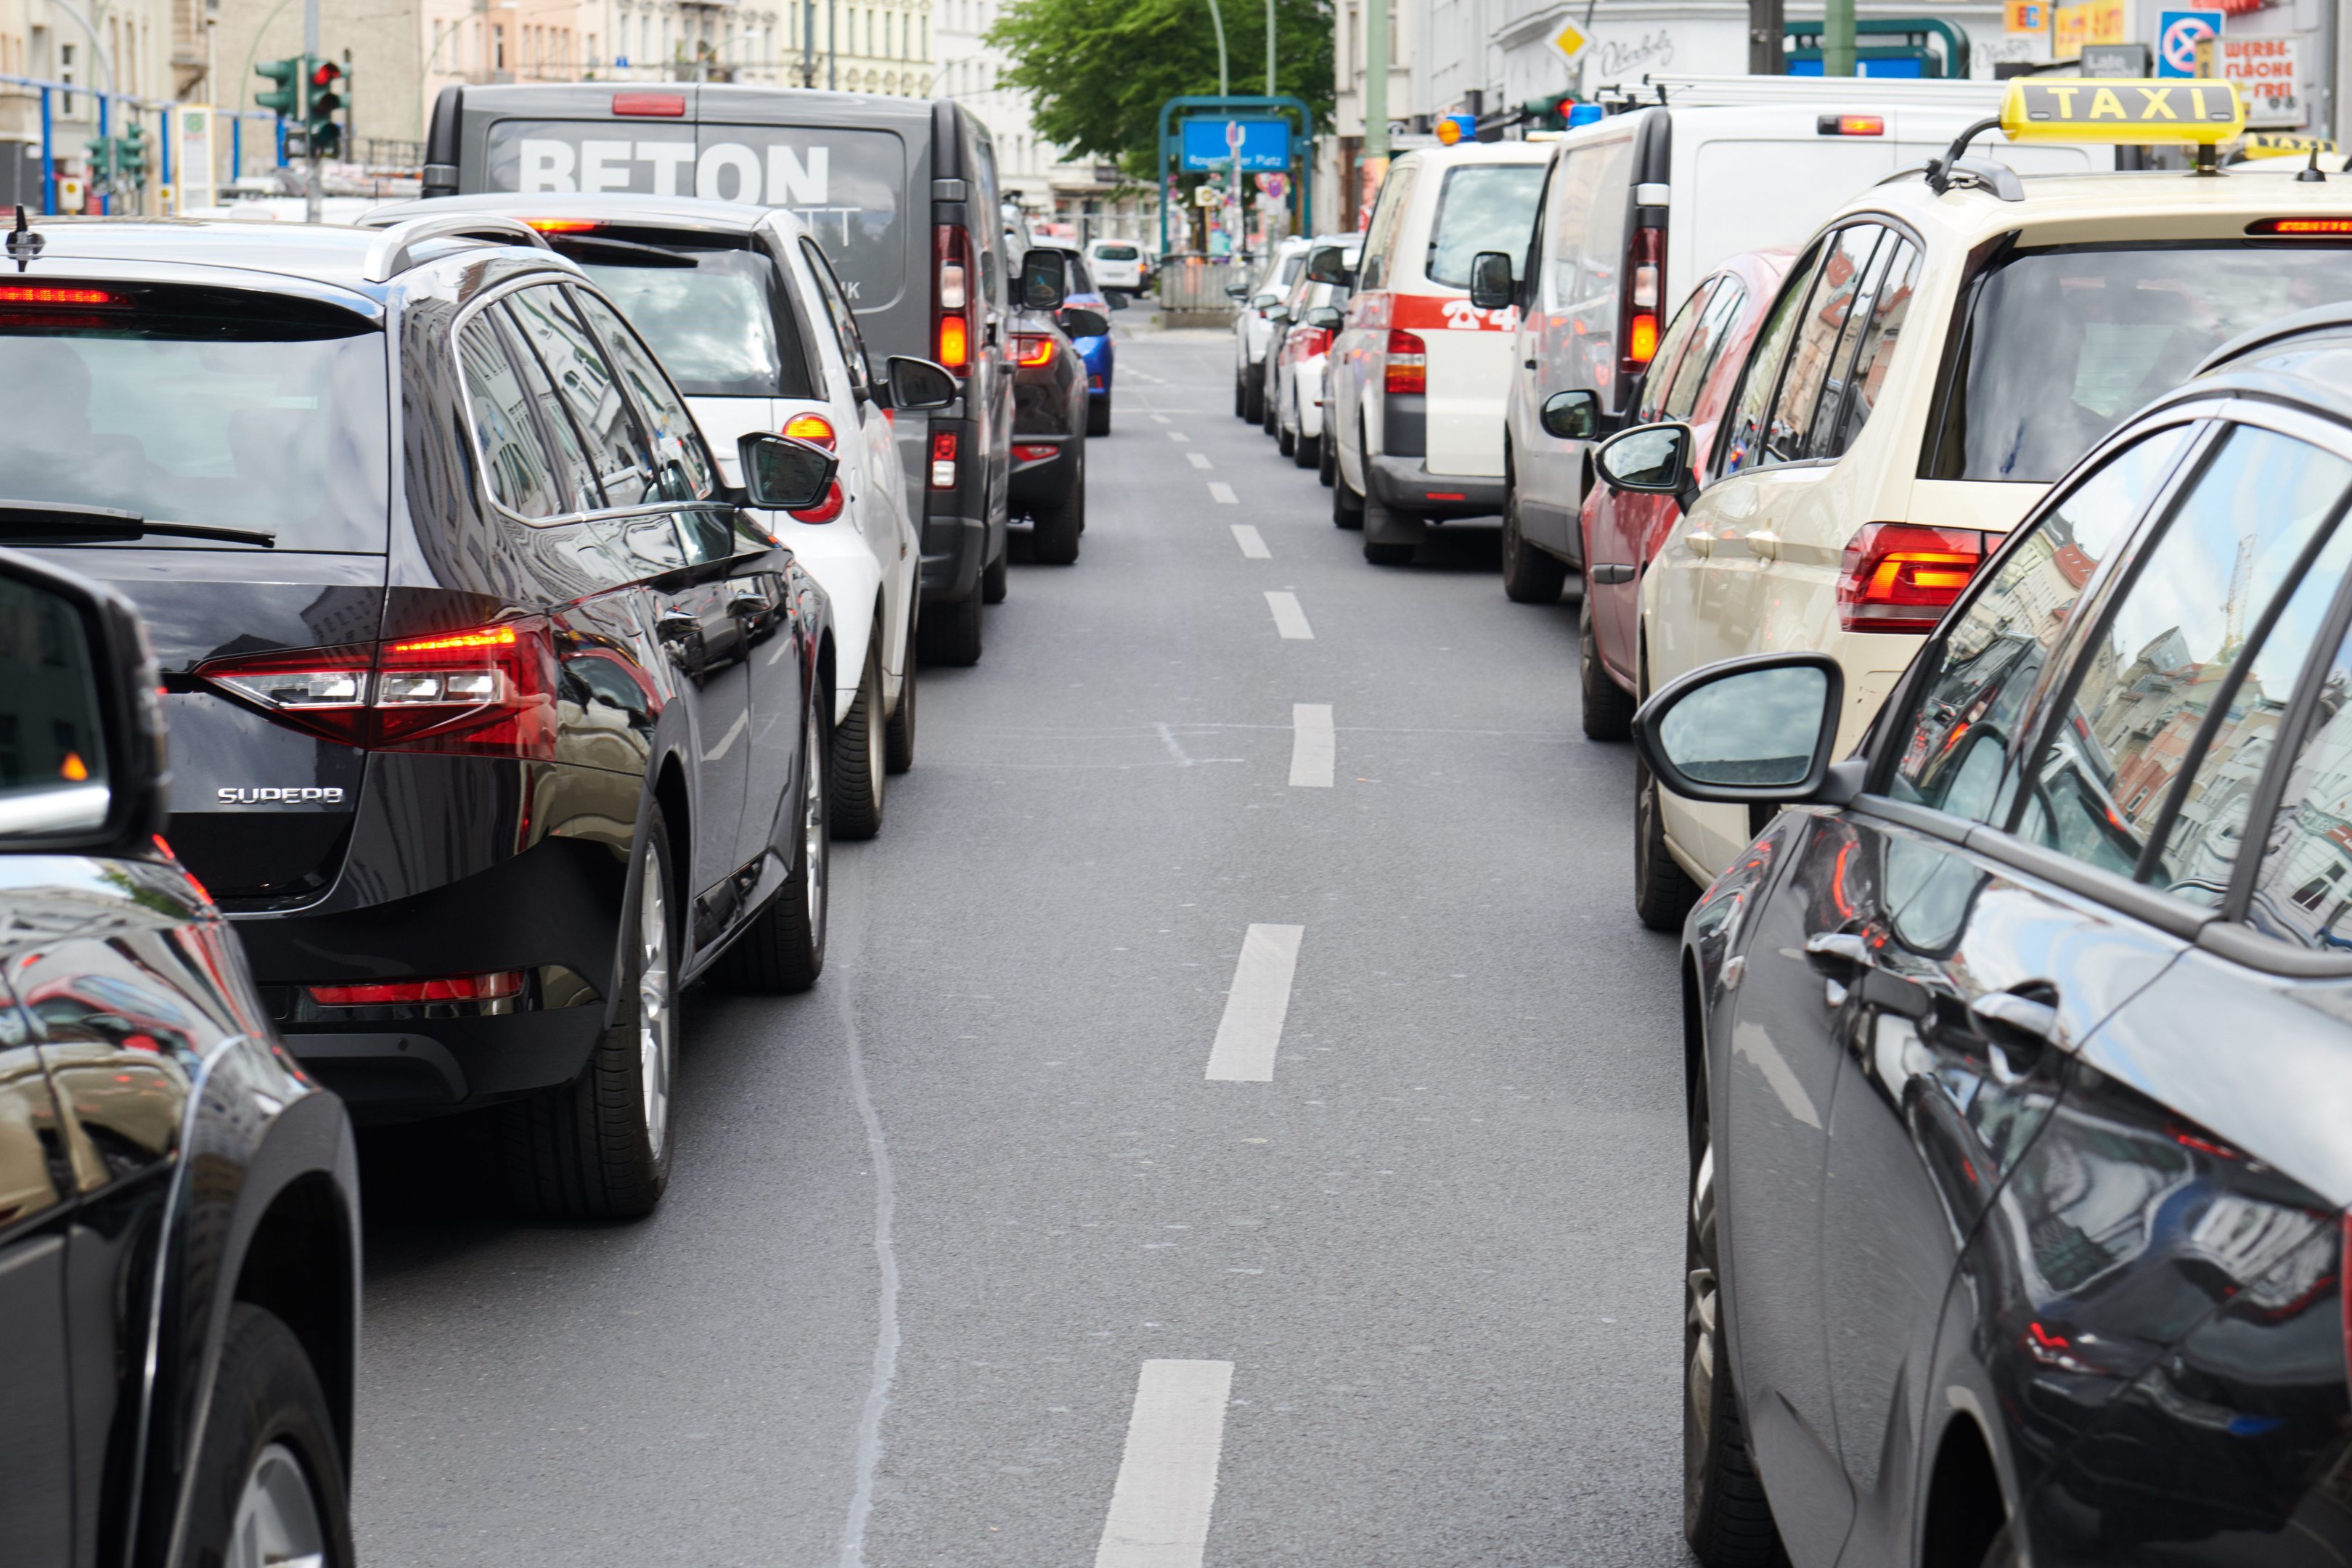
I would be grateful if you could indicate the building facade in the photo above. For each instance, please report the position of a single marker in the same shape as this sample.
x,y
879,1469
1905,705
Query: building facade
x,y
88,47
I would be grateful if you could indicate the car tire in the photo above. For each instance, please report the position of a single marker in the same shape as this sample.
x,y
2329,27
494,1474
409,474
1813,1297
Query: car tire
x,y
1254,395
1240,394
1054,531
1388,554
599,1147
269,1484
1346,506
784,950
996,577
1606,708
1285,443
1529,577
1269,410
899,733
1099,416
1663,893
858,767
1727,1517
1326,462
950,634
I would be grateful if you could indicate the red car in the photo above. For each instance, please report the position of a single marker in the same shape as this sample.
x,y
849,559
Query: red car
x,y
1691,378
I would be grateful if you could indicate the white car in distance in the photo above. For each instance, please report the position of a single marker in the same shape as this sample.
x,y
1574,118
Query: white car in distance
x,y
1116,264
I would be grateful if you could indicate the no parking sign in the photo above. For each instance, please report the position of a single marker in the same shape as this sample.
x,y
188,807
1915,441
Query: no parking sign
x,y
2178,34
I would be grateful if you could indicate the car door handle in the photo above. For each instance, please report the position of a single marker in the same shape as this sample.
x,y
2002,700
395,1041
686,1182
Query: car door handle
x,y
1701,543
1762,543
1842,945
673,624
1610,573
1531,364
2022,1014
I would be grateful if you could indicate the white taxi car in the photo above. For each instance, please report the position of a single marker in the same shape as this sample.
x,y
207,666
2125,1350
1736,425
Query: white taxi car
x,y
1944,348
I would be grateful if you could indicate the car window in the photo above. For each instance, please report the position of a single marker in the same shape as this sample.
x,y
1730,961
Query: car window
x,y
1481,207
1820,332
1890,305
1081,280
1966,719
2183,642
681,464
1586,222
1665,364
505,440
573,477
1380,237
2302,889
617,448
1761,374
1714,331
716,316
35,1168
844,324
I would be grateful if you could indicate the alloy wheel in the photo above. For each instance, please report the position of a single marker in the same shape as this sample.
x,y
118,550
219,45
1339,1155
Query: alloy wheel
x,y
1702,1306
814,842
656,1021
276,1523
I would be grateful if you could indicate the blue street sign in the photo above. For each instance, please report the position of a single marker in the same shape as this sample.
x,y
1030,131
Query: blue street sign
x,y
2176,36
1265,145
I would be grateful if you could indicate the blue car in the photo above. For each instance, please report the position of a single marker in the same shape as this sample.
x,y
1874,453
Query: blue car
x,y
1097,351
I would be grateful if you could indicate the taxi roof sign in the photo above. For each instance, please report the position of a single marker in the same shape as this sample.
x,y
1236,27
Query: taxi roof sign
x,y
2122,112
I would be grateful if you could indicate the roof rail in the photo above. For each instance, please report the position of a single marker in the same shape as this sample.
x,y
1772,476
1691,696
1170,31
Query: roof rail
x,y
394,250
1713,91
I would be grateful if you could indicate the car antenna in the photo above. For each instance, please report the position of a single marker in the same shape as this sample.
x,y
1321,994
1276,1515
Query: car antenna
x,y
22,243
1939,169
2310,173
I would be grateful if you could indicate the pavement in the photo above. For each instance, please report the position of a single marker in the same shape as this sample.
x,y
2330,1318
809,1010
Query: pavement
x,y
969,1260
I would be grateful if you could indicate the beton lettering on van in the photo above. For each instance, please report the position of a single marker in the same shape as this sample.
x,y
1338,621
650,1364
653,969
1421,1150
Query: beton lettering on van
x,y
725,171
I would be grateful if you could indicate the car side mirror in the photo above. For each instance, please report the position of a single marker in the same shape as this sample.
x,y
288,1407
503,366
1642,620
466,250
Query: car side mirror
x,y
1116,298
1081,322
1572,415
1753,728
80,692
1328,264
1236,290
1043,280
1279,315
916,384
783,474
1326,318
1649,459
1492,287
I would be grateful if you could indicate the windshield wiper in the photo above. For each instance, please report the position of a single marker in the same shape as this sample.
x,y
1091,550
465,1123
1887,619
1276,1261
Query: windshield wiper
x,y
56,522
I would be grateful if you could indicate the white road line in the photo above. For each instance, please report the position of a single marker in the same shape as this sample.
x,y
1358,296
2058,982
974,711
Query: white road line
x,y
1160,419
1168,1476
1178,435
1288,618
1256,1007
1253,544
1199,459
1222,493
1314,748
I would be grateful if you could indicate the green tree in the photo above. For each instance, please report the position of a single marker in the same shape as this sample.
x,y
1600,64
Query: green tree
x,y
1098,70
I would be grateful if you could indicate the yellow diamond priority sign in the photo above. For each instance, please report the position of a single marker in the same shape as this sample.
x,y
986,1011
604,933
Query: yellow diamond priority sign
x,y
1569,41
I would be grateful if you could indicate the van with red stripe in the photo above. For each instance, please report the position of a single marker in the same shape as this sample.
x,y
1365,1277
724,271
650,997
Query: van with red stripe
x,y
1418,374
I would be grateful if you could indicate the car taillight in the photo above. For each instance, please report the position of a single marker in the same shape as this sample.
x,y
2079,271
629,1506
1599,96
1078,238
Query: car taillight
x,y
1900,577
496,986
1032,350
1312,341
951,295
485,692
1645,272
1408,363
665,105
943,460
1027,452
826,509
813,428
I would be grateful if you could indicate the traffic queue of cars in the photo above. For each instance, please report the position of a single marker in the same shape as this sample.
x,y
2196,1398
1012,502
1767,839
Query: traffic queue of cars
x,y
1966,559
530,585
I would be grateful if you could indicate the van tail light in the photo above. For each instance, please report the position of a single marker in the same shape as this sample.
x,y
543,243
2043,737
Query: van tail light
x,y
485,692
1033,349
943,460
494,987
951,295
1637,330
1900,577
826,509
663,105
813,428
1408,363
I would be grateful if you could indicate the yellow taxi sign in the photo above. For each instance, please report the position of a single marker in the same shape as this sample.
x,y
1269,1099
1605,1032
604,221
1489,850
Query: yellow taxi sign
x,y
2121,111
2284,144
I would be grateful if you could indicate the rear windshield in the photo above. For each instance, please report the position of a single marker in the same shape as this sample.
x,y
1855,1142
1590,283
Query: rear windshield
x,y
210,419
719,324
848,187
1485,207
2063,344
1114,253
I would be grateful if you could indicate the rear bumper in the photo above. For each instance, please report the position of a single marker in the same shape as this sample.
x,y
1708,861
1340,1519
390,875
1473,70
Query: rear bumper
x,y
1405,484
1045,482
954,551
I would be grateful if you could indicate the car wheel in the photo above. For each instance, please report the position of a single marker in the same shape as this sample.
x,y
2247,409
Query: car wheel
x,y
1725,1515
1663,895
996,577
1285,442
1346,506
898,735
1606,707
1054,531
1326,462
1388,554
1254,395
857,763
785,949
598,1147
1099,416
950,634
1269,408
269,1486
1529,577
1241,395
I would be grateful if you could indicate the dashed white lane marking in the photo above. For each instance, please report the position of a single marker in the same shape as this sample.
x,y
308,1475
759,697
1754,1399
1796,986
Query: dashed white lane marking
x,y
1178,435
1168,1476
1314,746
1199,459
1251,1030
1160,419
1222,493
1289,620
1253,544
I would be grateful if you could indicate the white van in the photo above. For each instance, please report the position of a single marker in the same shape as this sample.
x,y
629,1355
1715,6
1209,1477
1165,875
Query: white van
x,y
1648,200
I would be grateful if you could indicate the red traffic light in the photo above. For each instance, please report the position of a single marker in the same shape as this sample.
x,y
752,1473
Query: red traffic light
x,y
324,73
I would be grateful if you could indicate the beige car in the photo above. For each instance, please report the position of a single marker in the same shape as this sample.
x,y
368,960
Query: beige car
x,y
1944,348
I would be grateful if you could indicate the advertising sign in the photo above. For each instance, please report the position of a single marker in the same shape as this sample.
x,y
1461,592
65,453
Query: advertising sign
x,y
2266,72
2025,16
2178,34
192,162
2078,26
1264,144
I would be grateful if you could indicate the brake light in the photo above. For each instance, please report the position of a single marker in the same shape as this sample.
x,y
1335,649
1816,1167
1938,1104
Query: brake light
x,y
667,105
43,294
1851,125
951,295
1032,350
813,428
1645,272
943,460
1408,363
826,509
563,224
488,692
1900,577
2279,227
1027,452
496,986
1311,342
1641,342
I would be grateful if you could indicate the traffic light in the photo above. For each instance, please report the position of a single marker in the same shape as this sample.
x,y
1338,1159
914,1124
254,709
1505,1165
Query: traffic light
x,y
320,133
102,159
285,99
130,155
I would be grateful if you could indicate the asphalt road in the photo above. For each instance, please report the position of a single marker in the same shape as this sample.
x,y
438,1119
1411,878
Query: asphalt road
x,y
929,1222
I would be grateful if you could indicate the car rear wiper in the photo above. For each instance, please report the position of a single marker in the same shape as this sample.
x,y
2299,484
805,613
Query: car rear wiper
x,y
56,522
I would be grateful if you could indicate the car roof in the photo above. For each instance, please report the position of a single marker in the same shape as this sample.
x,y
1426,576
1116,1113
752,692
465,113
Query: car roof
x,y
2304,329
674,211
1484,152
2056,209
